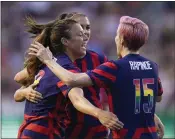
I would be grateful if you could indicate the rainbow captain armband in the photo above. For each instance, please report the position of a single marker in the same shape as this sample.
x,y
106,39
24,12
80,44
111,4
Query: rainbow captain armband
x,y
36,82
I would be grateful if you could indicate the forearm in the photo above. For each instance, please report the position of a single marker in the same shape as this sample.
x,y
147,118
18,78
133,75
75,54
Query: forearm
x,y
156,118
69,78
104,99
82,104
64,75
22,77
18,96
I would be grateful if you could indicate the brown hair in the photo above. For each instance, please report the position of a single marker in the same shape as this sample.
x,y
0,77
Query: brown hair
x,y
36,29
134,32
50,36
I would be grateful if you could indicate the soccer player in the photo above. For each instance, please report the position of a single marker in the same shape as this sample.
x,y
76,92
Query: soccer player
x,y
133,80
40,118
80,125
88,62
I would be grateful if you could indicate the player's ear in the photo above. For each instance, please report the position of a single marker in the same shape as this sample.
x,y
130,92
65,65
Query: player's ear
x,y
122,41
64,41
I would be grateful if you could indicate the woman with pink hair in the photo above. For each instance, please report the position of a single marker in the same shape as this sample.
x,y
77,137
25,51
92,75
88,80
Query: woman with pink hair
x,y
133,80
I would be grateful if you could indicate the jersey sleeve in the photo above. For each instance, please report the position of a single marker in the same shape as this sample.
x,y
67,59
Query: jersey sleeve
x,y
104,75
160,89
103,58
63,87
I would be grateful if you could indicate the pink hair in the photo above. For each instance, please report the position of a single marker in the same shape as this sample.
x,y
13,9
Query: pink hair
x,y
134,32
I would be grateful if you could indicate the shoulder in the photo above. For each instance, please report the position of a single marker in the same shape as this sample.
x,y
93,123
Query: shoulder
x,y
111,64
63,60
152,62
119,61
101,56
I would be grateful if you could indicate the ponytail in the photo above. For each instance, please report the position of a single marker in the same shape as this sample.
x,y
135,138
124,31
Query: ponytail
x,y
35,28
32,63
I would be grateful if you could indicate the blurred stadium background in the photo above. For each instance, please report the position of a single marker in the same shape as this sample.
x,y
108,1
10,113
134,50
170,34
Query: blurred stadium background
x,y
104,18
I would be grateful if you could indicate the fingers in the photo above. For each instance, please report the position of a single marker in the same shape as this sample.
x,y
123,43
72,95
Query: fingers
x,y
116,124
36,95
161,130
34,50
39,45
119,124
35,46
32,100
34,54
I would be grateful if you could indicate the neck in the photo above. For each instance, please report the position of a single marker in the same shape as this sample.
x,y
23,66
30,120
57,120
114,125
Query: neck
x,y
72,56
126,52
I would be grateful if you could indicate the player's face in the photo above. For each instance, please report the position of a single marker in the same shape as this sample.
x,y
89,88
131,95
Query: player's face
x,y
118,44
85,24
78,41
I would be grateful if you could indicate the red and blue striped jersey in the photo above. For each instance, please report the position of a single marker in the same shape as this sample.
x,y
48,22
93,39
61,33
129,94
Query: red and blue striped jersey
x,y
134,84
53,92
82,125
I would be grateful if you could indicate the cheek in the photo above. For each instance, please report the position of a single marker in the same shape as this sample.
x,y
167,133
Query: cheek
x,y
76,43
88,33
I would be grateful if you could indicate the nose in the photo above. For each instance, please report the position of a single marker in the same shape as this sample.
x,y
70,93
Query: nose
x,y
86,32
85,37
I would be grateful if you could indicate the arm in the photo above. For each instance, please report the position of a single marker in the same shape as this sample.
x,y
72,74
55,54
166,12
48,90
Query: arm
x,y
78,100
104,99
69,78
19,94
158,98
105,72
21,76
160,91
159,125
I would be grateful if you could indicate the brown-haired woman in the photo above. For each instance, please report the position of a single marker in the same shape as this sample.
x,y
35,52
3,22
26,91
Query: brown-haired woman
x,y
40,119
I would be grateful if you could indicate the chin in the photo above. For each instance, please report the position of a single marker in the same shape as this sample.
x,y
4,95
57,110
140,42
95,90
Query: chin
x,y
83,53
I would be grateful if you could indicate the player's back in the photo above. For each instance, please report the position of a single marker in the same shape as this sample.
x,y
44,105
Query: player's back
x,y
133,94
48,88
41,119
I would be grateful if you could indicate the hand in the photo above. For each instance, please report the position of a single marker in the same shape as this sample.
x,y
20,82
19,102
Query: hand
x,y
160,127
30,94
42,53
109,120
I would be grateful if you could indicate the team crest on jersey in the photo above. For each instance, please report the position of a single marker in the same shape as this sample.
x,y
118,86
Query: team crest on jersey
x,y
38,77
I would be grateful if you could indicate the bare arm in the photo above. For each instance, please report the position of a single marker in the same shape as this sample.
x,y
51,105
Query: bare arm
x,y
158,98
104,99
77,98
160,127
19,94
69,78
108,119
21,76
